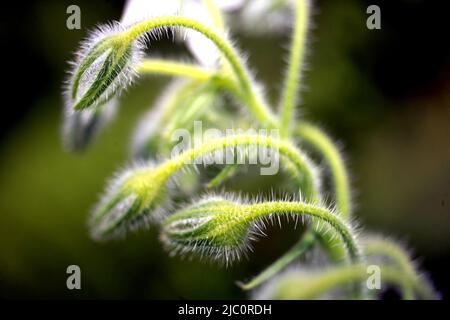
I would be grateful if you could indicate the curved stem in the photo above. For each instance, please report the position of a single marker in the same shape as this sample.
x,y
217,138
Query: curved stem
x,y
376,246
255,103
297,52
219,22
312,286
195,72
322,214
300,161
231,217
302,246
215,13
312,135
320,141
224,174
175,68
199,73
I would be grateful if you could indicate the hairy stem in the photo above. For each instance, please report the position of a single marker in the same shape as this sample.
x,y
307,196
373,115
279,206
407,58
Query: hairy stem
x,y
224,174
223,226
312,286
195,72
219,22
259,210
292,81
244,80
297,250
310,133
215,14
300,161
322,143
377,246
255,103
175,68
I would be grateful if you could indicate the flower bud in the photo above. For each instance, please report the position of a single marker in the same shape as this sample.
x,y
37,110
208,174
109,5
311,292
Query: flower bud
x,y
103,69
81,127
133,197
214,227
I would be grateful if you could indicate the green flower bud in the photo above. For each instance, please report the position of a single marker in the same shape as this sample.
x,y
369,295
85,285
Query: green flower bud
x,y
214,227
81,127
132,198
222,228
103,68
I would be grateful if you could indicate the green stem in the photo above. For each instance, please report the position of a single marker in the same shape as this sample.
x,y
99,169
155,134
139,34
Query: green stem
x,y
320,141
255,103
175,68
219,22
302,246
377,246
297,52
312,286
300,161
224,174
252,99
224,225
215,14
258,210
192,71
308,132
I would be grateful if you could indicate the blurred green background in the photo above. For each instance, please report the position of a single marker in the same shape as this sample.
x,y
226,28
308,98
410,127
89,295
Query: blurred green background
x,y
384,95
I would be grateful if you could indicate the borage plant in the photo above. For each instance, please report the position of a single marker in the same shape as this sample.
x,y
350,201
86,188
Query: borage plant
x,y
222,226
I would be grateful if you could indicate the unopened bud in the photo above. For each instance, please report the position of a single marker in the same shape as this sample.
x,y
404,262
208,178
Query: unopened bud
x,y
214,227
103,69
132,198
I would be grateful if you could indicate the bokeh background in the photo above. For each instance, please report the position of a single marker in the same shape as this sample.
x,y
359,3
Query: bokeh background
x,y
385,95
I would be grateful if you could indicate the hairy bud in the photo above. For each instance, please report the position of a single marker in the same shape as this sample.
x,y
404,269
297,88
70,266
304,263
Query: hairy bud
x,y
222,228
131,198
103,69
81,127
214,227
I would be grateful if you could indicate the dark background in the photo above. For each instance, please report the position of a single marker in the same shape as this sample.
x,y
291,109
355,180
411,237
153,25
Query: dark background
x,y
385,95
